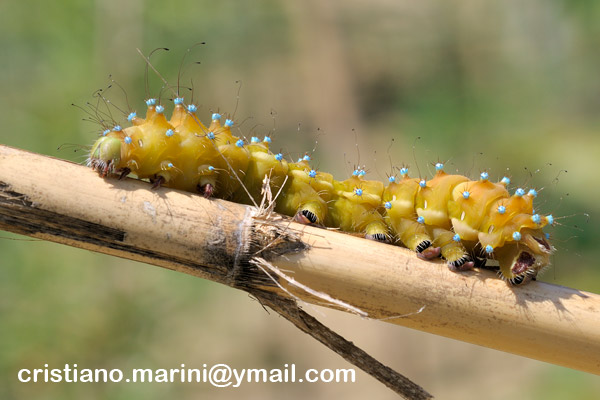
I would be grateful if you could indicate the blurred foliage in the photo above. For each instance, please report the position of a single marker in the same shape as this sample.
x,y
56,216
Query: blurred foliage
x,y
479,85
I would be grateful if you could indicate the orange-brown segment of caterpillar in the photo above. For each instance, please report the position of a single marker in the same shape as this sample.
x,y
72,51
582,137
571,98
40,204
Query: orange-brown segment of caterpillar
x,y
462,221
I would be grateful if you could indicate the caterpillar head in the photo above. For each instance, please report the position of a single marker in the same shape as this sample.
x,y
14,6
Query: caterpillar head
x,y
105,155
521,261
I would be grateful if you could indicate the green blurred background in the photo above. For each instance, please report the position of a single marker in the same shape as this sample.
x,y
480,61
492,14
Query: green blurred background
x,y
484,85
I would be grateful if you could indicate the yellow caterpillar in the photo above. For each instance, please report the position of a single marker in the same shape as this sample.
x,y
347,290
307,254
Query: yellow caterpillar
x,y
450,216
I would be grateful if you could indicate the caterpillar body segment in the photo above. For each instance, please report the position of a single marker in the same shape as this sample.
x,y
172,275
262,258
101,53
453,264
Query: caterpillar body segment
x,y
399,200
261,163
449,215
306,194
356,207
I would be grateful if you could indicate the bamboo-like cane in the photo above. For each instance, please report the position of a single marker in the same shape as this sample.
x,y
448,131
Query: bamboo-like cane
x,y
225,242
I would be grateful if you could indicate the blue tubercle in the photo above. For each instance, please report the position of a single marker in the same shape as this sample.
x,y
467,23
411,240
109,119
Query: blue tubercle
x,y
387,205
267,139
160,109
279,156
131,116
519,192
300,159
532,192
355,172
439,166
239,143
254,139
117,128
228,122
536,218
312,173
306,157
192,108
150,102
456,237
216,117
170,165
392,179
403,171
489,249
211,168
484,176
421,220
501,209
358,191
516,236
178,101
169,132
550,219
422,183
362,172
547,235
210,135
466,194
106,132
128,139
505,181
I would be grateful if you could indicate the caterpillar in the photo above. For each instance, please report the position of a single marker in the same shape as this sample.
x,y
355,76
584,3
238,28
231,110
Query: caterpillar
x,y
465,222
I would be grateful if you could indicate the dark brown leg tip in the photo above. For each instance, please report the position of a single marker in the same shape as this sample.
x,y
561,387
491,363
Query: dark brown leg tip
x,y
123,173
158,182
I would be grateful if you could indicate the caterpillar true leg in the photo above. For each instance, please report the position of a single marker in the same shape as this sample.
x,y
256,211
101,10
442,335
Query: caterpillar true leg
x,y
158,182
123,172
